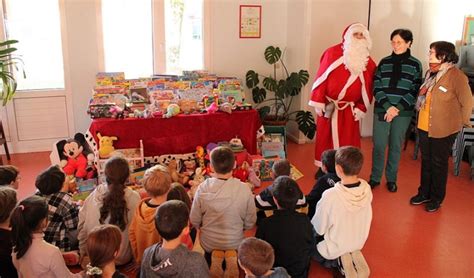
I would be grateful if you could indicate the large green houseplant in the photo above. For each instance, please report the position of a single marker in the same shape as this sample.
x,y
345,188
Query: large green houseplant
x,y
274,99
8,63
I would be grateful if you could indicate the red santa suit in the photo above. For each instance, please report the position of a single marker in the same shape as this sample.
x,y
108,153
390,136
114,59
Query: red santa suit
x,y
349,91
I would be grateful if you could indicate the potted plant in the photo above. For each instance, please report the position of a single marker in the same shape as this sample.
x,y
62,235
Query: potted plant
x,y
277,104
8,62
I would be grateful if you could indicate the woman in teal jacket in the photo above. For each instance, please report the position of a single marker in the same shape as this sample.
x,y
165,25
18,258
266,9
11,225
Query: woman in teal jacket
x,y
396,84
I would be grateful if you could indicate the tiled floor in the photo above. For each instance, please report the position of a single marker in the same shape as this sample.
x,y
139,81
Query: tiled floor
x,y
404,241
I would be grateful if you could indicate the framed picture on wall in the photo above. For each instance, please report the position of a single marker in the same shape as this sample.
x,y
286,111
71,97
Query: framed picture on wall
x,y
468,31
250,22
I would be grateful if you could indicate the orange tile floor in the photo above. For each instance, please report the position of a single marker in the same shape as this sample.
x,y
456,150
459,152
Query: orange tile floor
x,y
404,240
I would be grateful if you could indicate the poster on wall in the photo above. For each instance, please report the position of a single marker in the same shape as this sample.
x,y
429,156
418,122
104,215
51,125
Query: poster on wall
x,y
468,32
250,21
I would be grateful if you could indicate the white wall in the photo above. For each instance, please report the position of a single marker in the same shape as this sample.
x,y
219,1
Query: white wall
x,y
305,28
232,56
84,58
297,55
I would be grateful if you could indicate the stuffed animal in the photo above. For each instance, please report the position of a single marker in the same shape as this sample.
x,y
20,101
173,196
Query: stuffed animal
x,y
196,181
242,172
175,175
211,109
226,107
189,167
106,147
76,158
200,156
171,110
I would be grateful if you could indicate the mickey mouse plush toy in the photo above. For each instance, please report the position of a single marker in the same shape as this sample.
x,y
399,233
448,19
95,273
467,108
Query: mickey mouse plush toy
x,y
76,159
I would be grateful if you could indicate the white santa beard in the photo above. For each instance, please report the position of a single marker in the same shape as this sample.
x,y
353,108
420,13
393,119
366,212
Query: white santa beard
x,y
356,55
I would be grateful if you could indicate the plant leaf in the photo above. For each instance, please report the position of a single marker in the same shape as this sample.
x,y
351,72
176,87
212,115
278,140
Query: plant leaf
x,y
270,84
258,94
306,123
7,51
281,91
272,54
263,112
251,79
8,42
303,77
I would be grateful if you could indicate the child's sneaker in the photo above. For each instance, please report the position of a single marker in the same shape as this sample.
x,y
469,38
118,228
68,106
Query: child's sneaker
x,y
217,258
231,266
360,264
346,266
71,257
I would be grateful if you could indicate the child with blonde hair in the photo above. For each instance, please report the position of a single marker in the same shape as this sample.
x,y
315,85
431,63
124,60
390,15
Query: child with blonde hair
x,y
142,232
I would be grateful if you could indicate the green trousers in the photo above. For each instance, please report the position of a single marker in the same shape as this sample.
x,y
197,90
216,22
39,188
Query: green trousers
x,y
393,135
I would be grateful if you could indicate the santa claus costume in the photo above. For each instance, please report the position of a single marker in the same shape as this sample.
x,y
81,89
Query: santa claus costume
x,y
342,91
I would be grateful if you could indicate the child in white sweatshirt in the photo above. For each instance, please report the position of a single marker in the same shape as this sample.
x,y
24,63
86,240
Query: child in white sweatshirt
x,y
344,213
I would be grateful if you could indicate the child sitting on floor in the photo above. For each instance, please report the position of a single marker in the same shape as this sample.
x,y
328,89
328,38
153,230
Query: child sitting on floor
x,y
170,258
142,232
63,213
109,203
32,256
9,176
343,216
7,204
177,192
256,258
285,224
103,244
264,200
328,180
223,209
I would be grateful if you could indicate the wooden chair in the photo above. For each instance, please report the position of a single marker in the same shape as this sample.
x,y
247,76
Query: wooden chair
x,y
3,141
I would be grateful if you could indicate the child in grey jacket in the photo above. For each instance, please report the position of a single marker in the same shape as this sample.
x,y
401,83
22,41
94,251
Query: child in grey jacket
x,y
170,258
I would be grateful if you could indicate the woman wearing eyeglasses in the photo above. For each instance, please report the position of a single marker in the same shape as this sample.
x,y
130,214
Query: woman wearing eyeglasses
x,y
396,84
445,106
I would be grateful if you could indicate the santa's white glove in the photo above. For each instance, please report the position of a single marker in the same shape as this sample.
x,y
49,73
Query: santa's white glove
x,y
358,114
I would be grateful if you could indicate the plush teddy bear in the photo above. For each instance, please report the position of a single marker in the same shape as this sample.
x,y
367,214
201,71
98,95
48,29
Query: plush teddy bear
x,y
175,175
196,181
106,147
172,110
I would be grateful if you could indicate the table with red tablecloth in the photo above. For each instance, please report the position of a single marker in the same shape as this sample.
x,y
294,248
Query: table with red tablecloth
x,y
182,133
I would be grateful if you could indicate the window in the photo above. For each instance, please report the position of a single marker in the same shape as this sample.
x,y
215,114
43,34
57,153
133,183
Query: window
x,y
36,25
127,31
183,31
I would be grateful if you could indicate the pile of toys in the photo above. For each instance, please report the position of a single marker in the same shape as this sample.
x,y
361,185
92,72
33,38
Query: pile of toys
x,y
164,95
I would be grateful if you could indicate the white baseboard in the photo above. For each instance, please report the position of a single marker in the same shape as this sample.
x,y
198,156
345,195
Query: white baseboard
x,y
298,139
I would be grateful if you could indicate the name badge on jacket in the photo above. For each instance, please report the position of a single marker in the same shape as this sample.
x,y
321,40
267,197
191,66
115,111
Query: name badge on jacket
x,y
443,89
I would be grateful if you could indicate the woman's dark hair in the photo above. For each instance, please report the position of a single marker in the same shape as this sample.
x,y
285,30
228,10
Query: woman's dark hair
x,y
405,34
102,244
25,219
114,204
445,51
177,192
50,180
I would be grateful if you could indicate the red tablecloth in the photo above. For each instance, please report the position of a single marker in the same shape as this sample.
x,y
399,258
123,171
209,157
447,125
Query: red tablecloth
x,y
182,133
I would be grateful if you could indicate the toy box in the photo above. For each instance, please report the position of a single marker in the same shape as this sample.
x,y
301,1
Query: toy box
x,y
263,167
84,188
